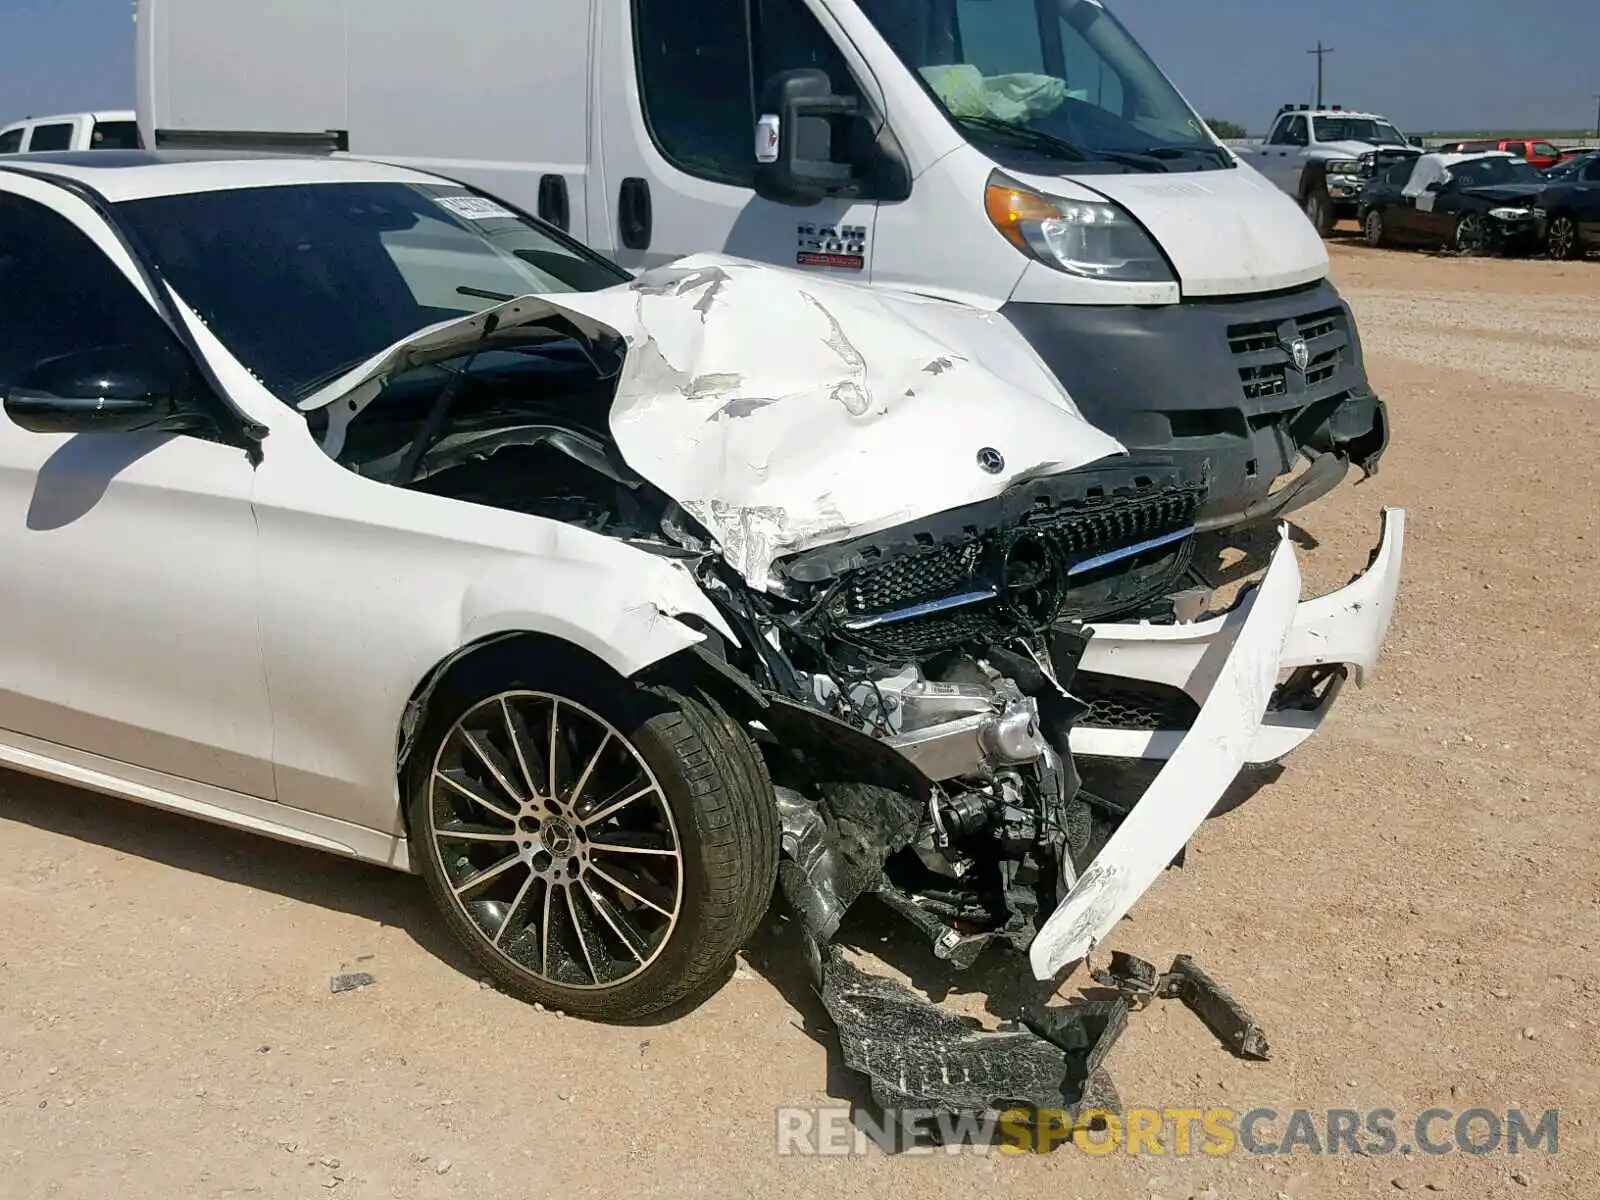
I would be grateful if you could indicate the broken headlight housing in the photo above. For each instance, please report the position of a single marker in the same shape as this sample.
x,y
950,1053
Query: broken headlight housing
x,y
1092,238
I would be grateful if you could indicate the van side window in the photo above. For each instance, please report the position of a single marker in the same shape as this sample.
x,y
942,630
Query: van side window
x,y
702,68
10,141
51,137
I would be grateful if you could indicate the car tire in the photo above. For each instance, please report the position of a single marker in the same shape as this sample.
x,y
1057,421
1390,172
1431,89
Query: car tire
x,y
1471,235
1562,241
1377,233
629,885
1319,211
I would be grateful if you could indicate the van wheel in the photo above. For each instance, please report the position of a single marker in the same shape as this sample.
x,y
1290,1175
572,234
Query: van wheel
x,y
600,848
1377,233
1319,211
1563,238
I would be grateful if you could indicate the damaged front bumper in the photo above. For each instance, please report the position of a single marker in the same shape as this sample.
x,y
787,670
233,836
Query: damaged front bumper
x,y
1232,665
1329,638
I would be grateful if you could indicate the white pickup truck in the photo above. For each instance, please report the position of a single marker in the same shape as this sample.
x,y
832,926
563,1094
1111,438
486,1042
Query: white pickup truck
x,y
1323,157
118,130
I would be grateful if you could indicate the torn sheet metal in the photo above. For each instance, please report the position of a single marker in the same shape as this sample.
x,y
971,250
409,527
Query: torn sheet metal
x,y
1192,782
918,1056
786,411
1346,627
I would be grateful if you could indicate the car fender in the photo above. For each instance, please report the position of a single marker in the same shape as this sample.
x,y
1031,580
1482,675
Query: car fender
x,y
621,604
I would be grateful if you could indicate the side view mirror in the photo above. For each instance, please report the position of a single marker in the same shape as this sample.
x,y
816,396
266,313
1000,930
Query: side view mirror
x,y
802,126
1435,186
111,389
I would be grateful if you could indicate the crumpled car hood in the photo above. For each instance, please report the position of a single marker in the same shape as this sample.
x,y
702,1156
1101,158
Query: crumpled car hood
x,y
786,412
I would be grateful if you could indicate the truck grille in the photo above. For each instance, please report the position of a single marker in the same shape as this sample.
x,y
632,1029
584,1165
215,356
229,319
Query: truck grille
x,y
1266,365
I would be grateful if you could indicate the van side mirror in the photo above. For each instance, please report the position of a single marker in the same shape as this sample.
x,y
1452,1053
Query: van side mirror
x,y
802,128
110,389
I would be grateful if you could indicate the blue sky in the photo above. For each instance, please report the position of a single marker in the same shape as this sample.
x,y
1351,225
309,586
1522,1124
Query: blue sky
x,y
1427,64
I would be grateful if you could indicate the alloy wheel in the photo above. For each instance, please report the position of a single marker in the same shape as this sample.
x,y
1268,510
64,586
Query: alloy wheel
x,y
1563,238
556,839
1374,228
1472,236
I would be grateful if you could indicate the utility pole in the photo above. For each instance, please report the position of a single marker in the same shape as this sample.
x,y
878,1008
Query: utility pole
x,y
1321,52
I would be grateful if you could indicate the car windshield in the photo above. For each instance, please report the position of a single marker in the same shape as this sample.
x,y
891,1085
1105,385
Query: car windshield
x,y
305,282
1487,172
1357,129
1060,81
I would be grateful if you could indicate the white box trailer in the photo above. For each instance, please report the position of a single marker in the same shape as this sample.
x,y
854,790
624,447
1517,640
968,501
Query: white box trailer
x,y
1023,156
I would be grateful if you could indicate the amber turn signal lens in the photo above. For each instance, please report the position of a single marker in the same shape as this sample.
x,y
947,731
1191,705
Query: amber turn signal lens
x,y
1009,207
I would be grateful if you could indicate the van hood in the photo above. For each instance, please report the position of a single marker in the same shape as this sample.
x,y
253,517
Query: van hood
x,y
786,412
1226,233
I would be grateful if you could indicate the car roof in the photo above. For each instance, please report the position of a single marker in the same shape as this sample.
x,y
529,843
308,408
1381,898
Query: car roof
x,y
109,114
142,174
1455,160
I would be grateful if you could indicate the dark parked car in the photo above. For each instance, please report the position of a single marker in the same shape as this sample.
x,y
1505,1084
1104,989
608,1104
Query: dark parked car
x,y
1571,204
1473,203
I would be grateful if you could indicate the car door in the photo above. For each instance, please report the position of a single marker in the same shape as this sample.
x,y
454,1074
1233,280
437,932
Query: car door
x,y
1280,156
679,147
130,589
1399,209
1586,203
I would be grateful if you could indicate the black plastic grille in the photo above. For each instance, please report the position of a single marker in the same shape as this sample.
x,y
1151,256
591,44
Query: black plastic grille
x,y
1267,372
1063,538
1272,379
1133,704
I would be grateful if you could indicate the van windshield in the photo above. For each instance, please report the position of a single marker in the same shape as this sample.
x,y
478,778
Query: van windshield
x,y
1055,80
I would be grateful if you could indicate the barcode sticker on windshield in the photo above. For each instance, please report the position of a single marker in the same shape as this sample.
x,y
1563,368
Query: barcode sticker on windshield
x,y
476,208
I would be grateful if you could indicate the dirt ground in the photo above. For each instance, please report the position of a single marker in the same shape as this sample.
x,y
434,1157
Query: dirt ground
x,y
1412,911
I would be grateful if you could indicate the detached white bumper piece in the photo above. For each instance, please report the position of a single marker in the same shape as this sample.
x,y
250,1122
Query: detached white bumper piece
x,y
1345,628
1233,664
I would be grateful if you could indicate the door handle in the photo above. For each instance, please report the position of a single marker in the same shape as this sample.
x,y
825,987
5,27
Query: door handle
x,y
554,206
634,218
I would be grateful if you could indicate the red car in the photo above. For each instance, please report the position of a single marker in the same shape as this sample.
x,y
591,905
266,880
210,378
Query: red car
x,y
1538,154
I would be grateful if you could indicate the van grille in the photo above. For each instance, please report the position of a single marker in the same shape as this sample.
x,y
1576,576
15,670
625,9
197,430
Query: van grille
x,y
1266,368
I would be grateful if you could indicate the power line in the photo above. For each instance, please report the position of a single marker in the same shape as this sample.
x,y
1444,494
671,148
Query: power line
x,y
1322,53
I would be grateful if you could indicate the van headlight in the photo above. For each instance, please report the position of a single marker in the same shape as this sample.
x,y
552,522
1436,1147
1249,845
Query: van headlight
x,y
1511,214
1092,238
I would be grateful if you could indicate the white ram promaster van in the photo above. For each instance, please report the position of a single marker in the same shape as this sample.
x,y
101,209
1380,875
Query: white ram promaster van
x,y
1023,156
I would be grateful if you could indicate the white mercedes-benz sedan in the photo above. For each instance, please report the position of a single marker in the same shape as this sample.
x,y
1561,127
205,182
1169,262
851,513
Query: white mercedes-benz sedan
x,y
349,505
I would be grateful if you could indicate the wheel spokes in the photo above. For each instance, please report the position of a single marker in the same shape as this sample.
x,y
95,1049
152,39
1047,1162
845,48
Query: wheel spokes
x,y
522,749
577,929
498,767
474,791
634,942
511,912
516,816
612,806
461,831
478,878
